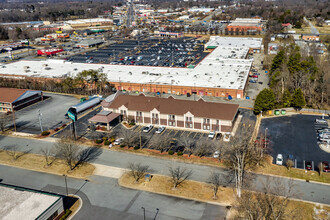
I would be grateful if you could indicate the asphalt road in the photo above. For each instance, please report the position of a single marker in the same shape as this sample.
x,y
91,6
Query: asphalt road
x,y
295,135
104,199
305,190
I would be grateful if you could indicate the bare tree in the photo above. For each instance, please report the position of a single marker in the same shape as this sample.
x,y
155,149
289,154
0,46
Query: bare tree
x,y
320,168
14,152
137,171
179,175
4,121
49,155
131,138
188,144
161,143
215,181
240,155
204,147
271,203
289,164
73,155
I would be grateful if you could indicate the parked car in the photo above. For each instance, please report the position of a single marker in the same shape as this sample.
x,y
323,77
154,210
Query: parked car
x,y
216,154
325,165
226,137
323,130
118,141
279,159
321,121
252,81
147,128
254,76
160,129
218,137
211,135
308,165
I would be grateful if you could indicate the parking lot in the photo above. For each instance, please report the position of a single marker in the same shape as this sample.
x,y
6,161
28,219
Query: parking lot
x,y
179,52
295,135
52,110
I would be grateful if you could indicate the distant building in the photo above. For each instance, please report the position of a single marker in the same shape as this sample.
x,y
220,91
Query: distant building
x,y
14,99
287,25
310,37
168,34
89,43
24,203
193,115
246,25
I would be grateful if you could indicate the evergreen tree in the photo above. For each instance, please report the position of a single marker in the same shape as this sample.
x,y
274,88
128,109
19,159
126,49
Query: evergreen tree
x,y
264,101
286,99
277,61
298,99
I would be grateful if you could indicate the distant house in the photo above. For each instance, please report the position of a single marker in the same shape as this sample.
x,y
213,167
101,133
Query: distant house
x,y
193,115
14,99
310,37
287,25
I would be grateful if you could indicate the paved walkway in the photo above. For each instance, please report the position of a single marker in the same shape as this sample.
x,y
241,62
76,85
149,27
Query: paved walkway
x,y
108,171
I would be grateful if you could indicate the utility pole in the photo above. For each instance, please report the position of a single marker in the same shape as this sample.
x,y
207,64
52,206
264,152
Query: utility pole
x,y
40,120
66,185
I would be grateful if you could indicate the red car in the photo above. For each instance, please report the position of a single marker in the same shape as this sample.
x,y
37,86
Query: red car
x,y
325,165
254,76
308,165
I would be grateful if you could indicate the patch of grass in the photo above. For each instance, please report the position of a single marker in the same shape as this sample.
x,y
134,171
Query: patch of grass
x,y
294,173
267,168
203,192
37,163
189,189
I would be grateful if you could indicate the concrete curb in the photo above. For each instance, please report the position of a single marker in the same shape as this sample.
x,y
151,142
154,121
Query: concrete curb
x,y
80,205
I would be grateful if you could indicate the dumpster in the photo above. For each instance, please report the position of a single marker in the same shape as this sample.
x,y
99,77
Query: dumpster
x,y
277,112
82,99
283,112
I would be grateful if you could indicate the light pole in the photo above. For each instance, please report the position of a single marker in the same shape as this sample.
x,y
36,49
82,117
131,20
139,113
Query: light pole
x,y
66,185
144,213
40,119
266,137
156,213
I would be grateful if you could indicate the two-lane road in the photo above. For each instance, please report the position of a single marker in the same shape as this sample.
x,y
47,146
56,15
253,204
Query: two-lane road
x,y
308,191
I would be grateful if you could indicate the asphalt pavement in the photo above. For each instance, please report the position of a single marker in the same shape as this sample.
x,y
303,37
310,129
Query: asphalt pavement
x,y
295,135
52,112
309,191
104,199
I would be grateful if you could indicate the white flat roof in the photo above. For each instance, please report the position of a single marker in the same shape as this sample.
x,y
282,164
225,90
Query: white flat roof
x,y
235,41
225,67
18,204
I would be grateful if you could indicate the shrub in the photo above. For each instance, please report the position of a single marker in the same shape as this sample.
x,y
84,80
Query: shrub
x,y
98,141
132,123
170,152
104,138
125,123
63,125
122,145
45,133
56,129
107,142
136,147
112,138
67,213
179,153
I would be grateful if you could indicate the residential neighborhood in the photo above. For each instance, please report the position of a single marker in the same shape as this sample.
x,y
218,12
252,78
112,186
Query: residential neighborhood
x,y
197,110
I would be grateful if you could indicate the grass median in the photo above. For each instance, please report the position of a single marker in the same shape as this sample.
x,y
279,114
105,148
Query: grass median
x,y
266,168
38,163
203,192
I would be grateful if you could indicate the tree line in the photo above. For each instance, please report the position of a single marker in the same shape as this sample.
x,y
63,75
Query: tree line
x,y
87,82
296,80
